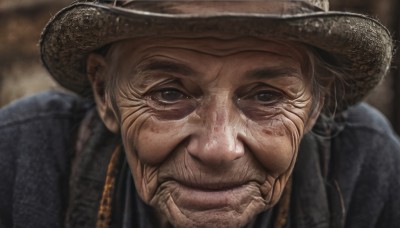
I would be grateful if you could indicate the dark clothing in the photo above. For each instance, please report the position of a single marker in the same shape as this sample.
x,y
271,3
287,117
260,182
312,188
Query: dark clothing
x,y
353,170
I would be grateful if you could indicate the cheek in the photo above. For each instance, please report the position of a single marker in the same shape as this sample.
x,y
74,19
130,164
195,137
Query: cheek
x,y
275,141
148,142
157,139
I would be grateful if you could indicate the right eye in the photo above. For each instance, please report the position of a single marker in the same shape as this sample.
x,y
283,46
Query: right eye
x,y
267,97
169,95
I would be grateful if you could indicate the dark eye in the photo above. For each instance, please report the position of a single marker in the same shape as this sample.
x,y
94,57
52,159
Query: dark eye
x,y
267,96
169,95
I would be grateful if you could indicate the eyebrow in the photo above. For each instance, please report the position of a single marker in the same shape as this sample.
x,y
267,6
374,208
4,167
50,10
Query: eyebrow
x,y
272,72
167,67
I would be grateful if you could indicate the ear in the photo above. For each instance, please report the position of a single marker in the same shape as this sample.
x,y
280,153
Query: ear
x,y
97,69
314,114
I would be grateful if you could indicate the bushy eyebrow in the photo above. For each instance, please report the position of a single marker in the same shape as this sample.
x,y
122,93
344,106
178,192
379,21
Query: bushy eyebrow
x,y
272,72
167,67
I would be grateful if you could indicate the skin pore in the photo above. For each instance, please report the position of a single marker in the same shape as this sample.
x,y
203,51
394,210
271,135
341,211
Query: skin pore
x,y
210,126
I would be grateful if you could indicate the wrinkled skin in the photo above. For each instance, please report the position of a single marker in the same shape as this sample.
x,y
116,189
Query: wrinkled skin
x,y
211,127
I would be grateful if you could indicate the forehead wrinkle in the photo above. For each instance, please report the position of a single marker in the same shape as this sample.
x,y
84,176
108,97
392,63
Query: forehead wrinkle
x,y
175,52
272,72
161,63
166,64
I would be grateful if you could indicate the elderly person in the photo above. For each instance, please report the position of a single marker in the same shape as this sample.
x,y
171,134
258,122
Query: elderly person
x,y
203,114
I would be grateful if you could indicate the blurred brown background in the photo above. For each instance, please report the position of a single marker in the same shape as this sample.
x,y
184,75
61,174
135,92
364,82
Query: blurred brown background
x,y
21,73
21,22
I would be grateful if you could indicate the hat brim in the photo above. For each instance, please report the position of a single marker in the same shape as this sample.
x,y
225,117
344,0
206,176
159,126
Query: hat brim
x,y
79,29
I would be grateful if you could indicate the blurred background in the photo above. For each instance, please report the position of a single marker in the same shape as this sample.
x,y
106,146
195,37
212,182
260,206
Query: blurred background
x,y
21,73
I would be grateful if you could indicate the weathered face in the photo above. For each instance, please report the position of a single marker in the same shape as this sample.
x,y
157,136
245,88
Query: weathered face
x,y
211,127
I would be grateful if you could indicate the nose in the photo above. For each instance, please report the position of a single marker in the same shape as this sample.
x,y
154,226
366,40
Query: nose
x,y
217,141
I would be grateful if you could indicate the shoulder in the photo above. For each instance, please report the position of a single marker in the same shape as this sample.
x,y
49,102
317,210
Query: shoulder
x,y
35,150
44,105
367,129
363,116
370,136
367,160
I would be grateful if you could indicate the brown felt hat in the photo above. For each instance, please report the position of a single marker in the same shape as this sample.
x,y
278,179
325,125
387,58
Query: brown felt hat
x,y
364,45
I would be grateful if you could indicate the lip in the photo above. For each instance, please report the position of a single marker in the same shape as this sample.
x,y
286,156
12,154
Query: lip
x,y
208,198
211,185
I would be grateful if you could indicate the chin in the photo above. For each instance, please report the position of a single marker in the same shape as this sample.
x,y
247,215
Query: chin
x,y
213,218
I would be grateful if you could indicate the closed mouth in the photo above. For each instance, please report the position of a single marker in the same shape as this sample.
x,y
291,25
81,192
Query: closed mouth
x,y
210,196
212,186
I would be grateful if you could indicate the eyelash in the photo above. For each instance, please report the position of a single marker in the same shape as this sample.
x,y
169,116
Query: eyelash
x,y
157,95
174,94
276,95
251,93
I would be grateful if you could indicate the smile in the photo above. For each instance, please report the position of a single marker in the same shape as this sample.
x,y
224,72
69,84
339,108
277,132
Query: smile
x,y
209,197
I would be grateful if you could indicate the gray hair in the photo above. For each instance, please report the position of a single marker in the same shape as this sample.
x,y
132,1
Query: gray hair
x,y
328,85
327,77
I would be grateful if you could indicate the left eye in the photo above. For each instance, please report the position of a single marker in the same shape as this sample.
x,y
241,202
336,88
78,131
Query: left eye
x,y
267,96
169,95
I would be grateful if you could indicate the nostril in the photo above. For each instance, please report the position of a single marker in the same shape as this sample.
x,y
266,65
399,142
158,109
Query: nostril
x,y
191,148
198,149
